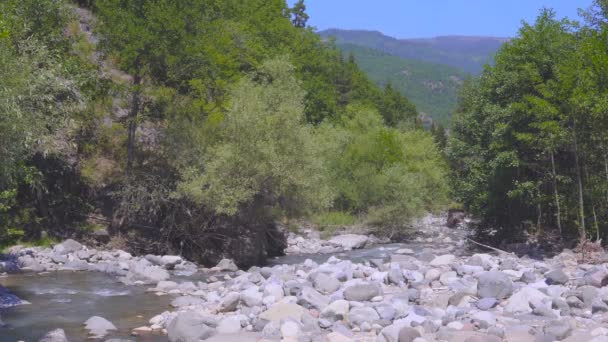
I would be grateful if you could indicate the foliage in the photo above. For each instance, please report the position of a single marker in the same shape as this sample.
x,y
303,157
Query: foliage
x,y
391,175
527,148
433,88
264,152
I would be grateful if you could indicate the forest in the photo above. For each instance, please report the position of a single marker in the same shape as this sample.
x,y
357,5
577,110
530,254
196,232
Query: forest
x,y
206,127
529,149
197,127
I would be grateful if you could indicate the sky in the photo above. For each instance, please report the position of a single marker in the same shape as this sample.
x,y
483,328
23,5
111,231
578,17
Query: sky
x,y
430,18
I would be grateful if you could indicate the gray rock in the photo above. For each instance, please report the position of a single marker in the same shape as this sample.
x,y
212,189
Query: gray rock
x,y
357,316
336,311
57,335
385,311
349,241
325,283
395,276
361,292
597,277
189,327
443,260
588,294
186,301
522,300
311,298
227,265
598,306
544,311
230,302
67,246
486,303
407,334
494,284
556,277
575,302
528,277
559,329
229,325
98,326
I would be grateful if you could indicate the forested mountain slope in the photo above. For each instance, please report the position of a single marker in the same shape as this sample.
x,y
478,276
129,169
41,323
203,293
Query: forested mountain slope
x,y
463,52
433,88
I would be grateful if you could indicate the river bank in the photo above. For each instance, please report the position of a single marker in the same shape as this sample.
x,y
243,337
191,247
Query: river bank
x,y
432,288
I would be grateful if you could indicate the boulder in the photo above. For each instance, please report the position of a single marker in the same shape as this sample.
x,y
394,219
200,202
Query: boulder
x,y
312,299
189,326
227,265
360,315
494,284
558,329
336,311
337,337
67,246
229,325
325,283
57,335
186,301
522,300
349,241
230,302
98,327
556,277
362,292
8,299
281,311
443,260
407,334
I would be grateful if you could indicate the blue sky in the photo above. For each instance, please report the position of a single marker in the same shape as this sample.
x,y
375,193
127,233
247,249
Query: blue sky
x,y
429,18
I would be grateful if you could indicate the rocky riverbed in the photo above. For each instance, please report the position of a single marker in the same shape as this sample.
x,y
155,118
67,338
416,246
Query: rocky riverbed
x,y
430,289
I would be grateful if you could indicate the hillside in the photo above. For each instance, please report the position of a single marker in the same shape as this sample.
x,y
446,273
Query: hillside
x,y
467,53
433,88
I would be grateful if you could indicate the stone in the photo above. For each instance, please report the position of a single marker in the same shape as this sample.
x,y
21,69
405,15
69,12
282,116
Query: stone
x,y
357,316
486,303
494,284
407,334
281,311
186,301
483,338
57,335
362,292
349,241
443,260
229,325
432,274
189,326
290,329
486,317
520,302
252,297
325,284
598,306
395,276
558,329
227,265
165,286
98,327
528,277
599,331
336,337
311,298
544,312
230,302
67,246
597,277
556,277
336,311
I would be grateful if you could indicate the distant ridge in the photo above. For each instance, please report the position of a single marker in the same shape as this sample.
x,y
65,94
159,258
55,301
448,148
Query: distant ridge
x,y
469,53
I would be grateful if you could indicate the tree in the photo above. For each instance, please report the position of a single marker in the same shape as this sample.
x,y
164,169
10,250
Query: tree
x,y
298,13
265,151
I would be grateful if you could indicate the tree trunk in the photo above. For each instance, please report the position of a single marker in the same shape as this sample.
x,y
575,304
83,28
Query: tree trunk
x,y
597,227
579,180
556,195
132,122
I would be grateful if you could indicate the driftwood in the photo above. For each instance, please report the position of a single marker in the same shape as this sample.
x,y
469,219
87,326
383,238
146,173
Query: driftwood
x,y
489,247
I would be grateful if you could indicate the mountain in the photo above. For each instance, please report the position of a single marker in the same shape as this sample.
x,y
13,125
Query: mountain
x,y
465,52
433,88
